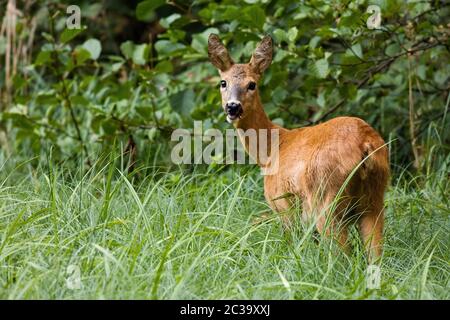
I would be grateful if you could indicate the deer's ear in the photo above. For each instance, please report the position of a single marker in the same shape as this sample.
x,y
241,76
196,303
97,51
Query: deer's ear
x,y
218,54
262,57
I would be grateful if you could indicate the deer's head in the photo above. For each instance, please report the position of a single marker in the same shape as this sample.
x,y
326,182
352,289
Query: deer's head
x,y
239,82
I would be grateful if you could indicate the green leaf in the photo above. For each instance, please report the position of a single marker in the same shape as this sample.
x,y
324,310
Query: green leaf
x,y
166,47
279,94
164,67
200,40
140,54
292,34
43,58
254,17
356,49
393,49
183,102
321,68
81,55
19,120
145,9
280,35
127,49
116,66
94,47
18,82
109,126
166,22
314,42
280,54
69,34
321,100
137,52
440,76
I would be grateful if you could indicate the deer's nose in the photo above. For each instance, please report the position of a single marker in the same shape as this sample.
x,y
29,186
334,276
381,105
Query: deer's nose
x,y
233,108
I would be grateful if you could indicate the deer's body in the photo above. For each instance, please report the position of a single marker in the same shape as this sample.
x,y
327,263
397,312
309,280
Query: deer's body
x,y
313,162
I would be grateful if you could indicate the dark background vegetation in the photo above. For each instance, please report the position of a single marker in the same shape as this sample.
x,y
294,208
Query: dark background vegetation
x,y
139,69
86,179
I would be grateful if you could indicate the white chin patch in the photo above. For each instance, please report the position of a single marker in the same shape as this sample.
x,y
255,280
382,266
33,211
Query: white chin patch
x,y
233,120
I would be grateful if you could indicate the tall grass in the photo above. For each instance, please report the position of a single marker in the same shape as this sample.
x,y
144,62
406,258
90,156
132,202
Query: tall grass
x,y
205,234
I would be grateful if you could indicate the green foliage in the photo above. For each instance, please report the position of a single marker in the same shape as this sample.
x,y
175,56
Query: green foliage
x,y
84,88
145,8
94,48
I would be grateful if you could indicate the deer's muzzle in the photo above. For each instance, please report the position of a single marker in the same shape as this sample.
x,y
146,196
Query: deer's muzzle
x,y
233,109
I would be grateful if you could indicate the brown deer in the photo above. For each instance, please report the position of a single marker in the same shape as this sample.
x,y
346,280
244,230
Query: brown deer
x,y
338,169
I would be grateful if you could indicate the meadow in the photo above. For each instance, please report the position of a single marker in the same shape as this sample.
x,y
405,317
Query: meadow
x,y
158,234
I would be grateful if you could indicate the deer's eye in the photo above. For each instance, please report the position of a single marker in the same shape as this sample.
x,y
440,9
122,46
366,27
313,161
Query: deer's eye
x,y
252,86
223,84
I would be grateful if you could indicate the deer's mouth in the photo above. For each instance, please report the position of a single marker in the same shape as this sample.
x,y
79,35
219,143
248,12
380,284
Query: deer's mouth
x,y
233,113
232,118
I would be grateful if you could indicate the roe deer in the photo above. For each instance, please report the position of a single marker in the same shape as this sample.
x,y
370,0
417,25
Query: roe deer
x,y
315,161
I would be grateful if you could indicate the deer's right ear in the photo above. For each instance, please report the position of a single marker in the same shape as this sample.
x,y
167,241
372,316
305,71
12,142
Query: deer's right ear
x,y
218,54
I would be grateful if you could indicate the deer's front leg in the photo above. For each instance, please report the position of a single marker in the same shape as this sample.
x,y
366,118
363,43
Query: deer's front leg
x,y
282,208
335,231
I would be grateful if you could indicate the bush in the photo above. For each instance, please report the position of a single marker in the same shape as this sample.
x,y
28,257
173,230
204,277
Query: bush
x,y
85,88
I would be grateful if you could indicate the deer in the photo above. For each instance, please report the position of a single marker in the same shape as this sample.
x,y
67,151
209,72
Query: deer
x,y
338,169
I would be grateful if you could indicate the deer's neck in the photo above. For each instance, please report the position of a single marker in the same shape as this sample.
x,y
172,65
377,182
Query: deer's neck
x,y
258,123
256,119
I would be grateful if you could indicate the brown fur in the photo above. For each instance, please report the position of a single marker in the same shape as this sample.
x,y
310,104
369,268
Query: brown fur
x,y
314,162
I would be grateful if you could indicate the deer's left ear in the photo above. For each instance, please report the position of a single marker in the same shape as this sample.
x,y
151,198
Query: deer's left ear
x,y
262,57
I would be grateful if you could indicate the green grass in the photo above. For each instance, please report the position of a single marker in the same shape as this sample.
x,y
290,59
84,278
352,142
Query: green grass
x,y
197,235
